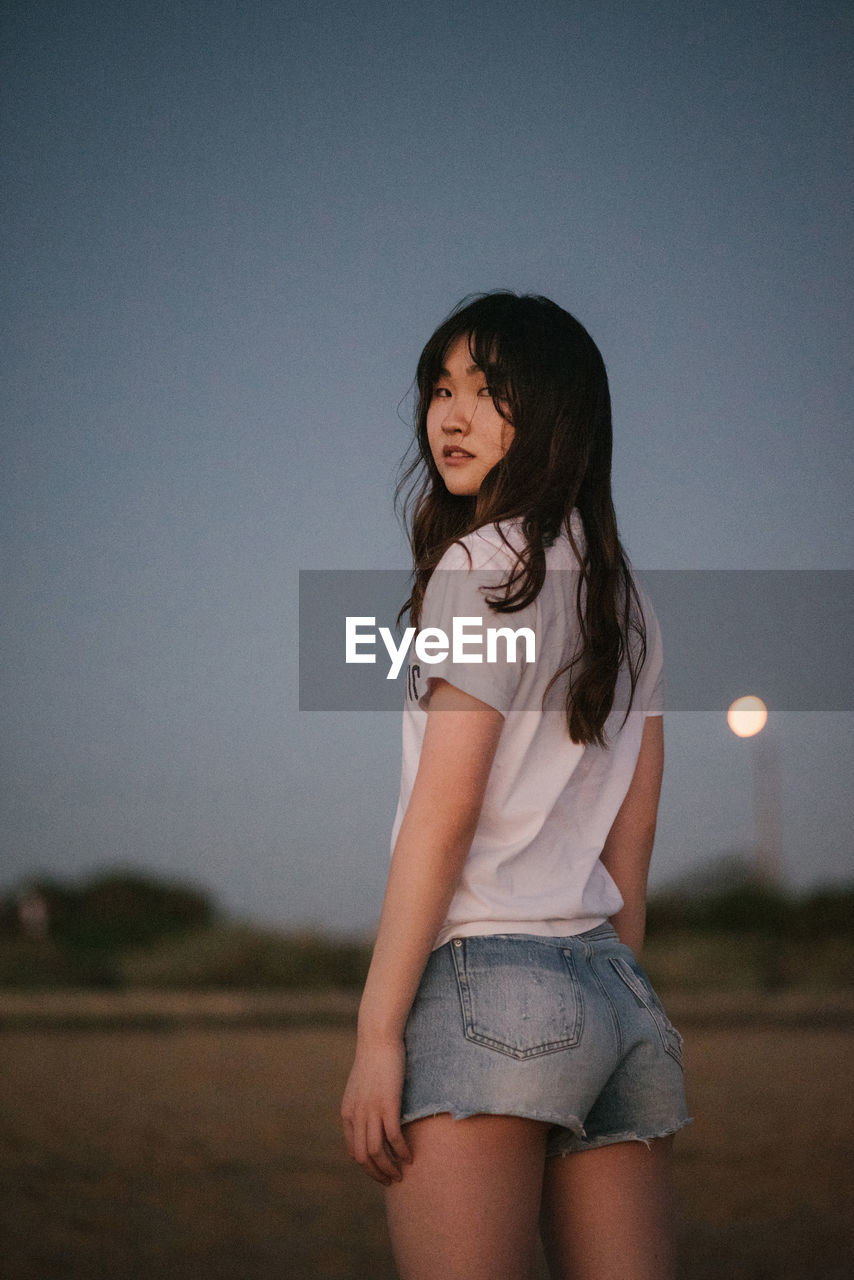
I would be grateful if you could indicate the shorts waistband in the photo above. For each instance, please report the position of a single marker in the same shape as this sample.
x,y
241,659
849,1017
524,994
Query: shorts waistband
x,y
600,933
605,930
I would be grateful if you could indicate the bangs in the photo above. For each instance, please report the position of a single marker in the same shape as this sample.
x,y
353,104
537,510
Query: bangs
x,y
493,347
493,353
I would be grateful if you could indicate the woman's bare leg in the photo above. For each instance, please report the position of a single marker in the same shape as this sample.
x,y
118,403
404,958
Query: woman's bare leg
x,y
606,1213
467,1207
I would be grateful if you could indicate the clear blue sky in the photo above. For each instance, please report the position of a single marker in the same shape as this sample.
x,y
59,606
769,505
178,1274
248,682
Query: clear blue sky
x,y
230,229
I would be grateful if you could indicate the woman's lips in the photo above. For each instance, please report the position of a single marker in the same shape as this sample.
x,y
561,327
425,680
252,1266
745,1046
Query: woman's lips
x,y
451,454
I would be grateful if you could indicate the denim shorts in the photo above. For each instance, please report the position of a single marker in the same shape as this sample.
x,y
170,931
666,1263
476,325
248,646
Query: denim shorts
x,y
563,1030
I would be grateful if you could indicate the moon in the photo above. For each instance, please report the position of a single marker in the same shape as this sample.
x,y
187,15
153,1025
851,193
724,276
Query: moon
x,y
747,716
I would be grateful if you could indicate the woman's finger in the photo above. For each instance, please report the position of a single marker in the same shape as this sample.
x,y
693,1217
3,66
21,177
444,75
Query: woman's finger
x,y
357,1134
395,1138
380,1152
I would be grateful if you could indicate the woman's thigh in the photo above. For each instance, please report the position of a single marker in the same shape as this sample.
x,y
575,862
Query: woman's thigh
x,y
467,1207
606,1213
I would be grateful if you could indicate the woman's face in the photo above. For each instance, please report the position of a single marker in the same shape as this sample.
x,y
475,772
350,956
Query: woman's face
x,y
466,433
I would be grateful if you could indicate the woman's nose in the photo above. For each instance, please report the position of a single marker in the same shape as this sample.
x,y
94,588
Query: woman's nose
x,y
459,415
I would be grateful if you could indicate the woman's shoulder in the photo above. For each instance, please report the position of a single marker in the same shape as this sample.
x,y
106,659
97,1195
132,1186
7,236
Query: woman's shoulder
x,y
502,544
492,546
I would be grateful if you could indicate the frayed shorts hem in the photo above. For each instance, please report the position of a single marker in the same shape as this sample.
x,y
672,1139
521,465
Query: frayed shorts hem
x,y
570,1139
461,1113
570,1143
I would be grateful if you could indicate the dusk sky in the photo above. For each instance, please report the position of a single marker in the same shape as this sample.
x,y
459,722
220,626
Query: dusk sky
x,y
230,229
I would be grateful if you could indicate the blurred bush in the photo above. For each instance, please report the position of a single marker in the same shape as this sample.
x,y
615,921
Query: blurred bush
x,y
726,929
240,955
56,934
107,912
40,962
753,907
125,928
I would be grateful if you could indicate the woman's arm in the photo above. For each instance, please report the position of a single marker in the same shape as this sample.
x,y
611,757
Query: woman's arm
x,y
460,740
628,849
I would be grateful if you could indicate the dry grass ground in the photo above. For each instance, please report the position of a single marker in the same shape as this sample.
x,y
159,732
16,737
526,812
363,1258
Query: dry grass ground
x,y
214,1154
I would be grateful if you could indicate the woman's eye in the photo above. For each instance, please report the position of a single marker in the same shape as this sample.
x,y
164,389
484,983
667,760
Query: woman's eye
x,y
440,393
485,391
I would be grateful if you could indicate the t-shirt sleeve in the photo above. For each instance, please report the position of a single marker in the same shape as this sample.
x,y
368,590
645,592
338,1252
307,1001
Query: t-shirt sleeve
x,y
456,622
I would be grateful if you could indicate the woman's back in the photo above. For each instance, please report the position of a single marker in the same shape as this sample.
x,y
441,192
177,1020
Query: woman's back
x,y
533,866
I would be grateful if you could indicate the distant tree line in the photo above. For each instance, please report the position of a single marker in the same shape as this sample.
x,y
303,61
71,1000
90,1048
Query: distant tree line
x,y
126,928
108,912
121,928
118,909
754,907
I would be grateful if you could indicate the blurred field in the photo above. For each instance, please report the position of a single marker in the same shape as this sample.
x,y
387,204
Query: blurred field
x,y
213,1153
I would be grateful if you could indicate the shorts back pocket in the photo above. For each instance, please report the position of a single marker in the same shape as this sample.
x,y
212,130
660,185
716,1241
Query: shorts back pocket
x,y
517,996
641,988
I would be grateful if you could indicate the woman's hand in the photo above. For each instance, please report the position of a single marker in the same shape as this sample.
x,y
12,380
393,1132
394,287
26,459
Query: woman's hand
x,y
371,1111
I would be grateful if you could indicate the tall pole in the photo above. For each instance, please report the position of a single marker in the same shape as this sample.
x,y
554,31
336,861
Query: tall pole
x,y
766,793
747,718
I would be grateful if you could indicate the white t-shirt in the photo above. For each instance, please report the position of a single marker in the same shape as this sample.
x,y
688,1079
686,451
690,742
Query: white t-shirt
x,y
533,866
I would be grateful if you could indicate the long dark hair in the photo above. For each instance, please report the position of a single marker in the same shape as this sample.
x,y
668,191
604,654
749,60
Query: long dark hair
x,y
547,377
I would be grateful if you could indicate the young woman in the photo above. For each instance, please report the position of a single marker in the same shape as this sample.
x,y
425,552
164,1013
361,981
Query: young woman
x,y
514,1069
